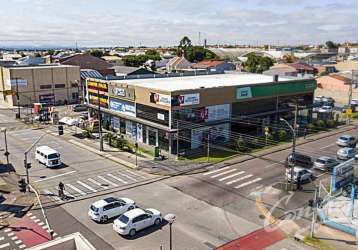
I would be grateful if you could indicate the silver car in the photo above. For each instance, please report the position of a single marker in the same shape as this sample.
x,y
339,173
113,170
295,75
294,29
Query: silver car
x,y
346,153
325,163
346,141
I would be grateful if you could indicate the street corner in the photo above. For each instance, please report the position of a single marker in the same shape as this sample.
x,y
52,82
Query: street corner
x,y
28,231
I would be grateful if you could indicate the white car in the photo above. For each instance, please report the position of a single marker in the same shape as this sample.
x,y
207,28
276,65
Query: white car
x,y
105,209
346,141
346,153
325,109
299,173
135,220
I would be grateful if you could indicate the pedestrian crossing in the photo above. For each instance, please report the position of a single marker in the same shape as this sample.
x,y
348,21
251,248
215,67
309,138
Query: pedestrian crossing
x,y
93,184
232,177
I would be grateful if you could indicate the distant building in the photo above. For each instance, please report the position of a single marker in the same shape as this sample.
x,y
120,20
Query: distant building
x,y
127,71
52,84
214,65
85,61
347,65
30,60
292,69
178,64
114,60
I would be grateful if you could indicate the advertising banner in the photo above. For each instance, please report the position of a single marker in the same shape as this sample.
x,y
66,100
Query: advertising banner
x,y
121,106
121,92
189,99
18,82
162,99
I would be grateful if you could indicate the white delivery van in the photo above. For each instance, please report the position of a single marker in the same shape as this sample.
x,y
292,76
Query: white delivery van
x,y
47,156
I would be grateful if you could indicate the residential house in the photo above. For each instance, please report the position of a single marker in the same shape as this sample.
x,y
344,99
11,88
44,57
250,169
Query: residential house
x,y
214,65
292,69
178,64
127,71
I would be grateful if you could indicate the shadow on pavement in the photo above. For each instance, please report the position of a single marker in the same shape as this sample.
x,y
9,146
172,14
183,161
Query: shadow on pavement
x,y
146,231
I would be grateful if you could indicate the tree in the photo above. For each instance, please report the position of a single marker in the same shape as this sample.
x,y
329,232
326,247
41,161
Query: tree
x,y
258,64
331,45
96,53
289,58
50,52
152,54
185,42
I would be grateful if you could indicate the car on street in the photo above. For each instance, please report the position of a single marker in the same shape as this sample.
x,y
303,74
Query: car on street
x,y
346,141
80,108
302,174
110,207
325,163
325,109
346,153
135,220
48,156
328,100
299,159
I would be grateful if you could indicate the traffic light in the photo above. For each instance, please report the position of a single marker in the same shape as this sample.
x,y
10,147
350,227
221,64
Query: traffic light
x,y
60,130
22,185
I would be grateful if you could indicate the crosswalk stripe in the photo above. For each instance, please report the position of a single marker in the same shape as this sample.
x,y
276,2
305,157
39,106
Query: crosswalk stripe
x,y
76,189
86,186
239,179
108,181
215,171
97,183
133,173
117,178
129,177
48,192
4,245
2,238
226,172
230,176
18,242
22,246
68,194
248,183
7,230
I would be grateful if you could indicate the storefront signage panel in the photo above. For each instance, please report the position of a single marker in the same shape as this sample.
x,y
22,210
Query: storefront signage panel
x,y
121,92
122,107
161,99
189,99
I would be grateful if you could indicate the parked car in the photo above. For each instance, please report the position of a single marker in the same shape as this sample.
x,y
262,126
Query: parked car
x,y
135,220
325,109
110,207
328,100
346,141
316,106
300,160
299,173
347,191
80,108
325,163
346,153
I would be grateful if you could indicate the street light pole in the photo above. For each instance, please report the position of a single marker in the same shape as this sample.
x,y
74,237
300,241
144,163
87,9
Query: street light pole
x,y
99,120
17,98
170,218
6,149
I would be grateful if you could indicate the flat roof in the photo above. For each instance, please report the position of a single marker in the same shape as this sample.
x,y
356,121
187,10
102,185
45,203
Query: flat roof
x,y
204,81
39,66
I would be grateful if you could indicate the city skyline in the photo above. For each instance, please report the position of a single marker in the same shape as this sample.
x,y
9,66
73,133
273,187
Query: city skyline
x,y
163,23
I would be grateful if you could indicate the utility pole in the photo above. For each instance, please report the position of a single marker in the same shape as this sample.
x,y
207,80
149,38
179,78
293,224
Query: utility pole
x,y
99,120
17,98
177,139
294,144
208,152
314,208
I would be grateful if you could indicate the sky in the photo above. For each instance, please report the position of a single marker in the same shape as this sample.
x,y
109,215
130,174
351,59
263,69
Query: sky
x,y
165,22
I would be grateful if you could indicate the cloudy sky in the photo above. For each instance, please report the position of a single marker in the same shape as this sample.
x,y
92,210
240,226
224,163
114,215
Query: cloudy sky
x,y
164,22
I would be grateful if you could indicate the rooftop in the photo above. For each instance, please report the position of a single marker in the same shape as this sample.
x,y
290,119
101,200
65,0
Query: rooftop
x,y
37,66
205,81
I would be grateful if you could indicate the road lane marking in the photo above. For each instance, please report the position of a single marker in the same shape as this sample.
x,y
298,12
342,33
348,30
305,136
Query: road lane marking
x,y
33,217
54,234
41,224
217,170
97,183
7,230
45,227
274,164
129,177
29,214
11,234
55,176
76,189
248,183
230,176
223,173
48,192
133,173
239,179
87,186
108,181
329,145
18,242
37,220
2,238
14,238
4,245
117,178
22,246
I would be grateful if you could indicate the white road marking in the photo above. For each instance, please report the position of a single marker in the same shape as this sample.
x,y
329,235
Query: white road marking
x,y
240,179
55,176
129,177
86,186
133,173
10,234
41,224
4,245
29,214
2,238
76,189
54,234
22,246
7,230
37,220
33,217
14,238
97,183
217,170
108,181
117,178
52,194
44,227
329,145
223,173
274,164
248,183
18,242
230,176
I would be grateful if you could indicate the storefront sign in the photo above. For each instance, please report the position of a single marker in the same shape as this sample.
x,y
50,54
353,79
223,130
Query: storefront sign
x,y
46,98
121,92
122,106
189,99
218,112
161,116
18,82
243,93
162,99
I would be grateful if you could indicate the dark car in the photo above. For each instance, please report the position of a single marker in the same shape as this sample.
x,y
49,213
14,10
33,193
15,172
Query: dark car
x,y
80,108
299,159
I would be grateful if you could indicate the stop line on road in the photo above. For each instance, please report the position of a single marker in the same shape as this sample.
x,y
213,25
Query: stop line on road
x,y
230,176
93,184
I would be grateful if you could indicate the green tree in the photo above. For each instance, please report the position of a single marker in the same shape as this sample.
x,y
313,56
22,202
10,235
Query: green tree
x,y
134,61
185,42
331,45
96,53
153,54
258,64
50,52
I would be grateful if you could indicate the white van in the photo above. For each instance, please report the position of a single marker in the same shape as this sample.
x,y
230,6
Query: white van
x,y
47,156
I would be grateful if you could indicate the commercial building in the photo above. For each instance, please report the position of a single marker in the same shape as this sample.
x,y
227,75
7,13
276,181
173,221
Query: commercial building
x,y
48,83
153,110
